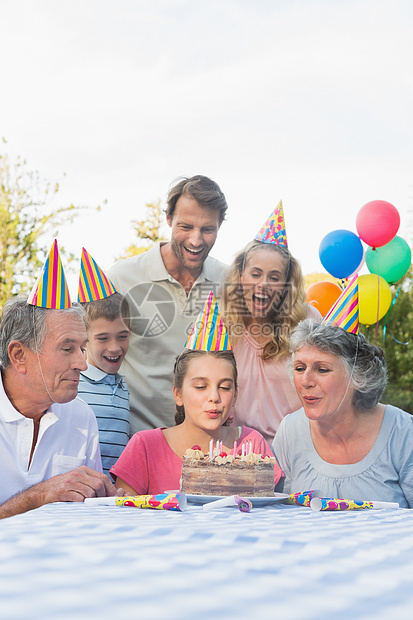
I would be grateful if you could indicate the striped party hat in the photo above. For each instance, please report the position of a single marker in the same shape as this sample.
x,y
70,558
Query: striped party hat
x,y
273,230
50,290
208,332
93,284
345,311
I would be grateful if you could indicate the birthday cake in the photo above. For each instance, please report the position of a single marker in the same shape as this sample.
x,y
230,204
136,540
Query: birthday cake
x,y
251,475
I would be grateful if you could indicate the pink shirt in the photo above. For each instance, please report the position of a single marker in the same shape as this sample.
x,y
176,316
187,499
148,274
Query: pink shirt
x,y
265,391
150,466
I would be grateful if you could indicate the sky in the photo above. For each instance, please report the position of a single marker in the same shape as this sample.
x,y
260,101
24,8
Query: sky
x,y
308,101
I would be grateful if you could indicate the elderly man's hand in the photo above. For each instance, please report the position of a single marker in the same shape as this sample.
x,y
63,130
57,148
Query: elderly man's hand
x,y
72,486
76,485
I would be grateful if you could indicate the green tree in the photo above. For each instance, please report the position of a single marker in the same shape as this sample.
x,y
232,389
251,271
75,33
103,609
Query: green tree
x,y
28,223
148,230
395,335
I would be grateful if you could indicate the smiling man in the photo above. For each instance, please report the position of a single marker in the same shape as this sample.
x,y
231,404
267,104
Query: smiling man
x,y
166,287
49,444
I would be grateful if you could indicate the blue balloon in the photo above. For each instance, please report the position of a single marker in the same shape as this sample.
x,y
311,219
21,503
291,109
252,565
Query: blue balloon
x,y
341,252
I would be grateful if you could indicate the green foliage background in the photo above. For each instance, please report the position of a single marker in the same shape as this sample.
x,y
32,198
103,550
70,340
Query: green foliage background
x,y
395,335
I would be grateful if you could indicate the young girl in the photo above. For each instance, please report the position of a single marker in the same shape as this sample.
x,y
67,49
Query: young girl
x,y
205,390
264,302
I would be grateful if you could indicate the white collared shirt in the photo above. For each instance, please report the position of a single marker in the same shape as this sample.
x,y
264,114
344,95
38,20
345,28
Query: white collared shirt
x,y
68,437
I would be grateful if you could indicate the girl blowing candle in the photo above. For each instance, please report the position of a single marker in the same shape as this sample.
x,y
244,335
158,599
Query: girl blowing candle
x,y
205,390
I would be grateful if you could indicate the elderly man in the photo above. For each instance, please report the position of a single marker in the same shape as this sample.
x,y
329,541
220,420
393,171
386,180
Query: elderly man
x,y
166,288
49,444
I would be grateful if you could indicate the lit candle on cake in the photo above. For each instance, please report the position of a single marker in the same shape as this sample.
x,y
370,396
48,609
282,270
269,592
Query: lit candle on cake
x,y
211,448
235,449
250,450
243,452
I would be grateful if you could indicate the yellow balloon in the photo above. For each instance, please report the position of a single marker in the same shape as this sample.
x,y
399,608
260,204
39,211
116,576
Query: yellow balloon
x,y
374,298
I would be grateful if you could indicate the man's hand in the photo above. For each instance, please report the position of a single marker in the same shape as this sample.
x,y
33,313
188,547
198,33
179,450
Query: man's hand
x,y
73,486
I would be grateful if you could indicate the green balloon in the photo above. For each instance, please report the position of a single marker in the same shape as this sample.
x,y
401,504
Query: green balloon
x,y
390,261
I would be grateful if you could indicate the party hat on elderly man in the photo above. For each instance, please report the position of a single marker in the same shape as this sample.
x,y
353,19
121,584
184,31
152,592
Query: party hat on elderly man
x,y
273,230
345,311
50,290
208,332
93,284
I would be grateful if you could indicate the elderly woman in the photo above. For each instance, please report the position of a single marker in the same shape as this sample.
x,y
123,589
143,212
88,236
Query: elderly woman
x,y
343,442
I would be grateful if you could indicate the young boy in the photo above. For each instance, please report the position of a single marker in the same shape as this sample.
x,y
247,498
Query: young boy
x,y
100,385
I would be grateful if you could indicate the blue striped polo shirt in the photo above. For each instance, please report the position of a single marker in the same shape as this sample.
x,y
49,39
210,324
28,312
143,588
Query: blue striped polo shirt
x,y
108,395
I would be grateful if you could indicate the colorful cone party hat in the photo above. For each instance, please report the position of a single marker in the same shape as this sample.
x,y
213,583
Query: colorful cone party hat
x,y
50,290
93,284
273,230
345,311
208,332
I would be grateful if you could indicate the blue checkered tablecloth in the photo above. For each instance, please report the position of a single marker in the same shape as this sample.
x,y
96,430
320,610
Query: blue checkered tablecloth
x,y
72,561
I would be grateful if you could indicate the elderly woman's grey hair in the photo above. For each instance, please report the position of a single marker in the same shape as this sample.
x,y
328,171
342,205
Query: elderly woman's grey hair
x,y
27,324
364,363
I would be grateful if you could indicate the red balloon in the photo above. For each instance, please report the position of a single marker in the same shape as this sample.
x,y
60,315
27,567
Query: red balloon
x,y
377,223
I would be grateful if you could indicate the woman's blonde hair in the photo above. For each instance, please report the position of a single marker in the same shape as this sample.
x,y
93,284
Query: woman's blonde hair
x,y
283,317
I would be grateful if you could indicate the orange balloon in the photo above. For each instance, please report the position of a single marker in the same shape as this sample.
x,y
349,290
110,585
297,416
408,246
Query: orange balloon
x,y
322,295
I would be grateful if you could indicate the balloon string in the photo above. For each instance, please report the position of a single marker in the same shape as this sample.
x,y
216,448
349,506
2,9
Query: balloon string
x,y
385,320
398,341
378,308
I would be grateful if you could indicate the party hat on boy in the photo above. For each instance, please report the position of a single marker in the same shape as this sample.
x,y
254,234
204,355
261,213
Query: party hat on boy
x,y
273,230
208,332
93,284
345,311
50,290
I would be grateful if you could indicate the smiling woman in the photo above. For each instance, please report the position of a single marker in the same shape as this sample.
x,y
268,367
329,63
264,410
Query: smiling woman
x,y
264,301
343,442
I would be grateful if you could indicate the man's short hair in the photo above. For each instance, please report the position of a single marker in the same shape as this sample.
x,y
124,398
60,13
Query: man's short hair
x,y
111,308
27,324
202,189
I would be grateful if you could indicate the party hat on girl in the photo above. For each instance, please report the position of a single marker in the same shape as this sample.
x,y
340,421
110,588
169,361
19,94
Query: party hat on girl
x,y
345,311
273,230
208,332
93,284
50,290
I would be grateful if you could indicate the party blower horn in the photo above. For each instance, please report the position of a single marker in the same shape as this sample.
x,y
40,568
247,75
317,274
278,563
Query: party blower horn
x,y
326,503
244,504
161,501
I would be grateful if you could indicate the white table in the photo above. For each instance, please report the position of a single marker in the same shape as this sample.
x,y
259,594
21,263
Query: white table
x,y
72,561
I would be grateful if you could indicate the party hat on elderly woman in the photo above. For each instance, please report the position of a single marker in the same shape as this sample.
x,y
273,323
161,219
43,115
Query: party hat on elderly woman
x,y
345,311
273,230
208,332
50,290
93,284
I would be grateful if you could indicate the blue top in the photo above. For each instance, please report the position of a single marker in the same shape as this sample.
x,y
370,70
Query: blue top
x,y
385,473
108,395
